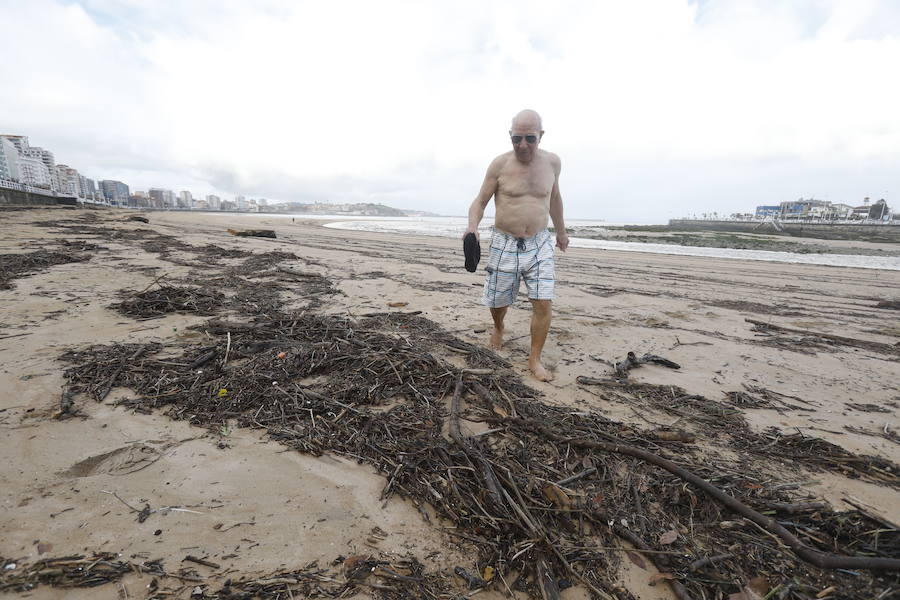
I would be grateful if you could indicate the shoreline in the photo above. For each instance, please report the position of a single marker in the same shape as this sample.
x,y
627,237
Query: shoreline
x,y
843,253
833,381
742,241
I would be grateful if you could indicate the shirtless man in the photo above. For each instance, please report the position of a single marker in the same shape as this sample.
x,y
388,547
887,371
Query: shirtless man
x,y
525,186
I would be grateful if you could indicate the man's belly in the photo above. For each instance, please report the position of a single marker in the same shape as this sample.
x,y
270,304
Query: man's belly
x,y
520,225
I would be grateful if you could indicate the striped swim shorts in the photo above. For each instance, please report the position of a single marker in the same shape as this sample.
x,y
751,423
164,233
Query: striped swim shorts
x,y
513,259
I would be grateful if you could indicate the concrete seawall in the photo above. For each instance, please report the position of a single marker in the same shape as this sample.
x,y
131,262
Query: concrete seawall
x,y
20,198
824,231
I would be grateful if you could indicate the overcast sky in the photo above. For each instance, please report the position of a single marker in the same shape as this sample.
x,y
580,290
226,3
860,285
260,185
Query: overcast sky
x,y
658,108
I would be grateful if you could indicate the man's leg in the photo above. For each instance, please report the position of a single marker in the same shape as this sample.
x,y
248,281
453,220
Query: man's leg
x,y
497,335
540,325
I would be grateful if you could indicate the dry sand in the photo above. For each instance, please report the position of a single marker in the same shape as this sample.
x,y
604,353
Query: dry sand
x,y
56,475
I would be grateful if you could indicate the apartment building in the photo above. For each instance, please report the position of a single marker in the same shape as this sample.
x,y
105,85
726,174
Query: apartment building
x,y
160,198
9,160
115,192
69,180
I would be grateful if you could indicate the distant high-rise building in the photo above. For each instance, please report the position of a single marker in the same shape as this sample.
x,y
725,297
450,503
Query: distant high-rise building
x,y
9,160
115,192
156,198
32,174
19,141
138,200
185,199
88,187
33,171
241,203
46,173
50,161
69,182
215,203
160,198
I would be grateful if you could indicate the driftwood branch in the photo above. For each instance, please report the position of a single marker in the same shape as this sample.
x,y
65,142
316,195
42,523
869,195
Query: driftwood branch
x,y
708,560
810,555
631,361
543,573
487,472
112,380
544,577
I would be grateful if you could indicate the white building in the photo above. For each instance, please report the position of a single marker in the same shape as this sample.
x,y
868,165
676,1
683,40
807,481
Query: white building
x,y
31,174
47,173
838,211
214,202
9,160
162,198
87,187
31,166
19,141
241,203
50,161
33,171
69,180
185,199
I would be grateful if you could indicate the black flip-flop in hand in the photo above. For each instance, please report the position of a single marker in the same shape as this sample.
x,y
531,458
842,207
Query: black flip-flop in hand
x,y
472,251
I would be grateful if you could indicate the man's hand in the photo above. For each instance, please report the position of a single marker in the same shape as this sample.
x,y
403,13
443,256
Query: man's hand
x,y
475,231
562,241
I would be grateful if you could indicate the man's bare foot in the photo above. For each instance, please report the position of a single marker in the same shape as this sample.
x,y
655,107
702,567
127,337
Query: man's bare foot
x,y
539,372
497,339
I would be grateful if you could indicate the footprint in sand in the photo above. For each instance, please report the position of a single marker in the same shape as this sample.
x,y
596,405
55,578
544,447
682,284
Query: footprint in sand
x,y
121,461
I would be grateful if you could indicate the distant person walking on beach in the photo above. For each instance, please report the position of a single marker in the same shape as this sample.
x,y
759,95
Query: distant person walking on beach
x,y
525,186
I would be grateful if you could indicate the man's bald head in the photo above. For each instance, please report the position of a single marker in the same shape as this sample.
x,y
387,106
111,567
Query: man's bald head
x,y
525,134
528,119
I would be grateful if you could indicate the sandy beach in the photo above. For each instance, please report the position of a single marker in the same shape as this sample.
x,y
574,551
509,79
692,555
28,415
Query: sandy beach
x,y
785,352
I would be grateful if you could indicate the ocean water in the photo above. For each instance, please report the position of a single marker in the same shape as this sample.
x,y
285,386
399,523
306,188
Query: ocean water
x,y
454,227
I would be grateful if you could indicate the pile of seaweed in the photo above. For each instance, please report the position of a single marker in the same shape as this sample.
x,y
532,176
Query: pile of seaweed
x,y
541,496
14,266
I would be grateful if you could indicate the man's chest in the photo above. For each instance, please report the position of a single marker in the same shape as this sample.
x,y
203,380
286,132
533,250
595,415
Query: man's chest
x,y
529,180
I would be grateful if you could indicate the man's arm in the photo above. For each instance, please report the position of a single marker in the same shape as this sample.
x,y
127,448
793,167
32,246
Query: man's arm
x,y
556,208
487,191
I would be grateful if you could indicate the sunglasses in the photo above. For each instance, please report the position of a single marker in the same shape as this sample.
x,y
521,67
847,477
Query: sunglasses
x,y
517,139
